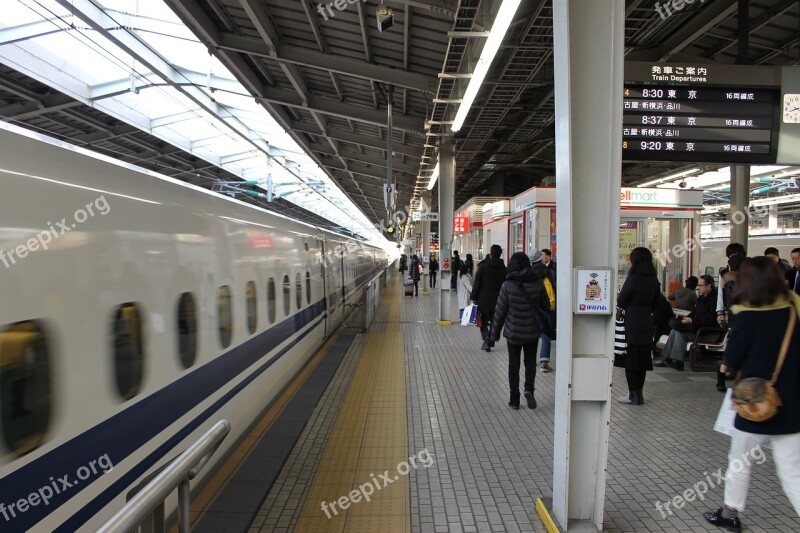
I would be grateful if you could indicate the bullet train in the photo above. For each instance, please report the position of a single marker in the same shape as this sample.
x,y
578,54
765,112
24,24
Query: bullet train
x,y
135,312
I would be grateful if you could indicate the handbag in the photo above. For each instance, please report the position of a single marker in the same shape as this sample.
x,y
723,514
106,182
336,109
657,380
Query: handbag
x,y
542,317
620,344
479,318
756,399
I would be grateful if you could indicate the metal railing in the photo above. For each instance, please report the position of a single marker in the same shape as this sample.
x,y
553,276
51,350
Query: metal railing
x,y
178,473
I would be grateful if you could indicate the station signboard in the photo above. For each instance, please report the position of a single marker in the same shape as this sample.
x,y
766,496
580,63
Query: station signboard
x,y
460,224
700,113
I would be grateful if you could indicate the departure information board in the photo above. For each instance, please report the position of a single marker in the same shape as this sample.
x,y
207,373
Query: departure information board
x,y
677,116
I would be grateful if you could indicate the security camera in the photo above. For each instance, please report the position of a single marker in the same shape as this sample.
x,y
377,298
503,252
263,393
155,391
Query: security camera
x,y
385,18
682,185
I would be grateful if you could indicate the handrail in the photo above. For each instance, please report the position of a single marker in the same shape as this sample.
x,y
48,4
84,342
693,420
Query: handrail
x,y
176,474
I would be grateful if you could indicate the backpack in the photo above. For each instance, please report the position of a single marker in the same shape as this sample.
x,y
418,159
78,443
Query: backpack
x,y
551,293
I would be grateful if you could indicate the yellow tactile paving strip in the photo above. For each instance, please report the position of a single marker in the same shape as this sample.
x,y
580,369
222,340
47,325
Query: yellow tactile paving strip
x,y
368,439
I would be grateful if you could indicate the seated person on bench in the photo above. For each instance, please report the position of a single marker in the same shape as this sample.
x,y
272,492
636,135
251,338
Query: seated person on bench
x,y
685,297
684,329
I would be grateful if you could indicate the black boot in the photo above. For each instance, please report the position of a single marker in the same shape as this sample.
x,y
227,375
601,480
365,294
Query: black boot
x,y
721,382
639,397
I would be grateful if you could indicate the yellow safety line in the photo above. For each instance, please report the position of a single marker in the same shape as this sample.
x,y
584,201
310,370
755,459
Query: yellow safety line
x,y
368,438
544,514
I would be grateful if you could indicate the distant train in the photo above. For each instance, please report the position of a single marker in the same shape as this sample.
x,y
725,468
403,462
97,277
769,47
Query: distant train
x,y
137,311
712,254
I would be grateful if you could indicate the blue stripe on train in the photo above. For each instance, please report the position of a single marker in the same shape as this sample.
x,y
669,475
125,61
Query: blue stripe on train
x,y
127,431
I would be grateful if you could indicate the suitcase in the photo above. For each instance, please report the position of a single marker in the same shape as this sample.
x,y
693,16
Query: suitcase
x,y
410,290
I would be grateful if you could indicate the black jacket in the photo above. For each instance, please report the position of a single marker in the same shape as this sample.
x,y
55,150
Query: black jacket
x,y
753,348
486,288
434,266
790,275
413,272
704,314
639,296
514,309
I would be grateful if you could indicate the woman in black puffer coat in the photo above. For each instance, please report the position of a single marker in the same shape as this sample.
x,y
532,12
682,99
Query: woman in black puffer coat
x,y
522,290
640,295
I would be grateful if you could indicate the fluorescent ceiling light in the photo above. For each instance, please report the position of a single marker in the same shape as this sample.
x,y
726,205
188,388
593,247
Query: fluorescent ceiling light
x,y
493,42
667,178
435,175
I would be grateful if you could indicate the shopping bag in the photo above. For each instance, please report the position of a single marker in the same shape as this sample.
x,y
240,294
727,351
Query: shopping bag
x,y
466,314
473,315
726,415
408,282
620,345
469,312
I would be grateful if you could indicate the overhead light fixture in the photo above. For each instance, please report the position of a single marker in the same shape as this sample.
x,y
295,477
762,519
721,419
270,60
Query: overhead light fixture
x,y
435,175
501,23
384,15
667,178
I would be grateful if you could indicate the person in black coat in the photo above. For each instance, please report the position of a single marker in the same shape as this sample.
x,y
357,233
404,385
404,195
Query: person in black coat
x,y
413,273
704,315
522,290
792,277
485,290
455,268
640,294
433,269
763,307
470,264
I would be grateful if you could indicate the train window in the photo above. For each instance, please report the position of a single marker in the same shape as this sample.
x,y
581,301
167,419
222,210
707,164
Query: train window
x,y
298,290
271,300
252,307
225,315
128,345
308,287
25,386
187,329
287,294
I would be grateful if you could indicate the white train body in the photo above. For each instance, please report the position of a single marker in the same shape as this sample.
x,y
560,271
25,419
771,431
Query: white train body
x,y
92,371
712,254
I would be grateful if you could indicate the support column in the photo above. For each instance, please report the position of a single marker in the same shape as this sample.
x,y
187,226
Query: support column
x,y
588,47
426,241
498,185
773,218
447,181
740,202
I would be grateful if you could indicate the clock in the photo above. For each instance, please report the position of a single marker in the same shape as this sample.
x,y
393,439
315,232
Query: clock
x,y
791,108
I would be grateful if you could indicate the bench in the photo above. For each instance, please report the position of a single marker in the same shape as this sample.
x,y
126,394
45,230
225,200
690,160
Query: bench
x,y
705,351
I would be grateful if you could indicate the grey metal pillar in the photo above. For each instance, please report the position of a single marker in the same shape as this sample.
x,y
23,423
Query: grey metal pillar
x,y
426,240
773,218
740,201
447,182
588,48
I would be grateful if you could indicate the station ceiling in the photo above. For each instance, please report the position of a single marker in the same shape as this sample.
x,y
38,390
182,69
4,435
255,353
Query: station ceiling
x,y
327,76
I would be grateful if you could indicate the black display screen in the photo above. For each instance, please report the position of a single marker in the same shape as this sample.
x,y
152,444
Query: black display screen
x,y
700,123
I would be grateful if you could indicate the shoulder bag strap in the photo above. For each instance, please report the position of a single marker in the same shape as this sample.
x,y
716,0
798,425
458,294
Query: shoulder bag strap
x,y
787,337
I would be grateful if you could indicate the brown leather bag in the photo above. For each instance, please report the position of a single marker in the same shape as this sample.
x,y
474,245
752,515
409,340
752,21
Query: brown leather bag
x,y
479,321
756,399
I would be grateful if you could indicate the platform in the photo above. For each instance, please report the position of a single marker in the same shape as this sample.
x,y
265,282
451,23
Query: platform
x,y
409,385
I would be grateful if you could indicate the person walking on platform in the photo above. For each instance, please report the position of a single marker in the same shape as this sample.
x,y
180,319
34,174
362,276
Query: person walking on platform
x,y
548,262
549,282
464,289
414,274
640,294
470,264
455,268
403,263
732,249
433,270
765,326
516,316
793,275
486,289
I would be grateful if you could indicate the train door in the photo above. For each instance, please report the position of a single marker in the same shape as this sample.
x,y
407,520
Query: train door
x,y
324,277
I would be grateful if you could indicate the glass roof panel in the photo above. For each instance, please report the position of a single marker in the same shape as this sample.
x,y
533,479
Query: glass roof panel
x,y
118,83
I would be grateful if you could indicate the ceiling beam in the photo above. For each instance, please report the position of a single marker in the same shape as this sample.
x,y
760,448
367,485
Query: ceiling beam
x,y
355,138
340,65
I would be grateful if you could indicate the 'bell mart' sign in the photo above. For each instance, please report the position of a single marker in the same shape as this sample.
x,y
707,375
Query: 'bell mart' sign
x,y
641,197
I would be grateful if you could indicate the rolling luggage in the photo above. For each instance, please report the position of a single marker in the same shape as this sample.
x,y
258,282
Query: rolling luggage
x,y
409,290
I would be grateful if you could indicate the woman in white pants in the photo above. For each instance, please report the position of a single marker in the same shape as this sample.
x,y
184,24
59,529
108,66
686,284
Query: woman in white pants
x,y
764,310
